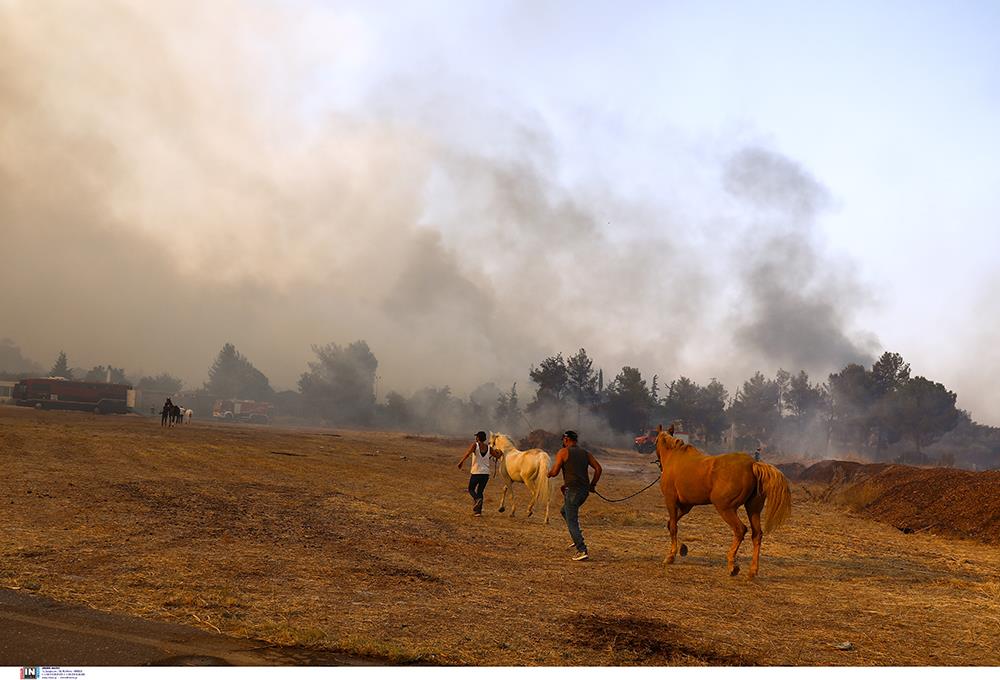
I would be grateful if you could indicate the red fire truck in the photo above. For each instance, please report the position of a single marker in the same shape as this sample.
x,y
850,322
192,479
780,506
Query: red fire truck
x,y
60,393
646,442
242,409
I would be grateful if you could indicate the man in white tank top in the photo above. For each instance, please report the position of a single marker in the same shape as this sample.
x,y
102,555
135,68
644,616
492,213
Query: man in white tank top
x,y
481,453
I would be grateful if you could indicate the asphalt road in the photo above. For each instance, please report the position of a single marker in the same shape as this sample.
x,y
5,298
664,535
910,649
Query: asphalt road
x,y
35,631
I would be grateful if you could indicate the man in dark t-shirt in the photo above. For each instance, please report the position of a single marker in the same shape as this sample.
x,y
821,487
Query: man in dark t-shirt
x,y
574,462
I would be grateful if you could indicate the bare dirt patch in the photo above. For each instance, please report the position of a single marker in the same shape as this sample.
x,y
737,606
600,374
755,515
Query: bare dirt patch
x,y
366,544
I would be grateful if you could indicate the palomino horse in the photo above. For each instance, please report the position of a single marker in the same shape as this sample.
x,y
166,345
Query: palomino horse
x,y
691,478
530,467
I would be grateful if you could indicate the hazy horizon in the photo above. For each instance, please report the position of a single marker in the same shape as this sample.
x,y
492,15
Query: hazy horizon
x,y
473,188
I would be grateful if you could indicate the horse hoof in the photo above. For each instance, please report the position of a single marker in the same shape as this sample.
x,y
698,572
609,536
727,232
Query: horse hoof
x,y
735,570
669,560
501,509
684,550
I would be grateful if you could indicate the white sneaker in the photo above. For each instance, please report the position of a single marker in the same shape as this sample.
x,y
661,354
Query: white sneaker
x,y
581,556
571,545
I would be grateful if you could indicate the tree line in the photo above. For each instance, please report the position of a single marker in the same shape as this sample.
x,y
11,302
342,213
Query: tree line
x,y
865,409
875,411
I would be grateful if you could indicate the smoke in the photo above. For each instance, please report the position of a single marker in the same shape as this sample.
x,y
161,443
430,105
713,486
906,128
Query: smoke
x,y
171,179
13,362
797,300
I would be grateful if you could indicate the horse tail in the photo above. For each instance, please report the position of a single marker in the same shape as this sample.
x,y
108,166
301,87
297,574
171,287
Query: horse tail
x,y
774,488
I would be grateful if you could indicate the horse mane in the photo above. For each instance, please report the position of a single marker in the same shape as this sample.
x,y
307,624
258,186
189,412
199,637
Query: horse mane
x,y
495,436
679,444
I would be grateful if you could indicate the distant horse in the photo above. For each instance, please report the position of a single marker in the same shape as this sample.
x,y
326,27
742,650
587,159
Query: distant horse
x,y
188,415
530,467
691,478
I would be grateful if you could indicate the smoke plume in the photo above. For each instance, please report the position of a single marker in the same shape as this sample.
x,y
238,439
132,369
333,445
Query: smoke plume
x,y
171,180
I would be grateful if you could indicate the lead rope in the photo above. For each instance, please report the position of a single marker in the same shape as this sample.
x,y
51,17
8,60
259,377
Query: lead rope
x,y
619,500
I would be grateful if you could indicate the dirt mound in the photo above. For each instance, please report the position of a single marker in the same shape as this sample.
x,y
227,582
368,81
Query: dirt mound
x,y
955,503
951,502
792,471
837,472
541,439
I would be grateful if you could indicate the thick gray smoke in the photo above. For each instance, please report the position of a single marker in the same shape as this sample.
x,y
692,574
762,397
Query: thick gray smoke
x,y
797,300
166,186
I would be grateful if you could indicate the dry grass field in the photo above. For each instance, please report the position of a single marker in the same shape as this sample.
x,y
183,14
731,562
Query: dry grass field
x,y
364,542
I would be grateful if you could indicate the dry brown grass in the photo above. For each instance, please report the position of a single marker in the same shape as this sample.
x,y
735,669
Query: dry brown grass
x,y
346,546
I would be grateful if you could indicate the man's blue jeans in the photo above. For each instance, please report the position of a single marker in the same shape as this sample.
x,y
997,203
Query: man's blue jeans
x,y
572,500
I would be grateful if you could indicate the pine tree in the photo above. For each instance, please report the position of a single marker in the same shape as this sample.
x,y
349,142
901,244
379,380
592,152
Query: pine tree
x,y
507,412
232,376
629,401
340,384
61,368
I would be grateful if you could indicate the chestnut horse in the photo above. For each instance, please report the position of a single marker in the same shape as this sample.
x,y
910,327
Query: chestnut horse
x,y
691,478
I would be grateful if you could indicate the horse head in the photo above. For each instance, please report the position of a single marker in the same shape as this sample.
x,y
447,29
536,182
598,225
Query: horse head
x,y
499,441
665,441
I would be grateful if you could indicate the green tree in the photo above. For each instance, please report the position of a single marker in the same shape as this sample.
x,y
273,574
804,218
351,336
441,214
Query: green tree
x,y
581,383
581,380
629,402
922,411
782,380
553,384
160,383
508,412
340,384
971,444
232,376
681,403
806,410
755,407
397,410
888,375
552,379
802,399
106,374
711,408
61,369
852,397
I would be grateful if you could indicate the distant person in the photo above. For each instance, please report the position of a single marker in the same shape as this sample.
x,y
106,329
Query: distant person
x,y
756,454
573,461
481,453
176,418
168,410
